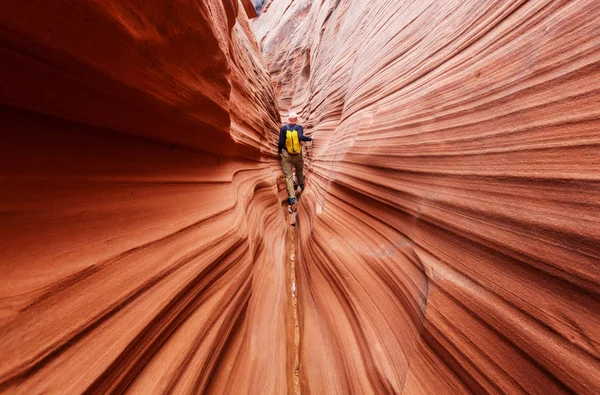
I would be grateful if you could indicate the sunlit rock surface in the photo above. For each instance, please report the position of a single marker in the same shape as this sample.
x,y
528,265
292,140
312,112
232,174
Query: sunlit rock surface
x,y
142,242
450,232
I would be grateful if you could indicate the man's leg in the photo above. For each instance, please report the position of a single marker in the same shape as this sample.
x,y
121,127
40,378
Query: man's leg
x,y
287,167
299,163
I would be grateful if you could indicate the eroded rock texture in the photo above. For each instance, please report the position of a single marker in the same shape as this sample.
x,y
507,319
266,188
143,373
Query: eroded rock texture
x,y
142,240
450,232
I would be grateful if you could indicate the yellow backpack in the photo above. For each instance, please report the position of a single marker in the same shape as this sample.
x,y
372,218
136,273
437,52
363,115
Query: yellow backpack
x,y
292,142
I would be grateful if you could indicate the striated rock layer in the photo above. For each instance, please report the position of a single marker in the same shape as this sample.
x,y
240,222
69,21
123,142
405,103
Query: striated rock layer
x,y
142,240
450,231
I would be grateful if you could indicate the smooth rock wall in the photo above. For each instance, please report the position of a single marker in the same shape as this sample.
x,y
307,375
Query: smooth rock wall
x,y
142,243
450,231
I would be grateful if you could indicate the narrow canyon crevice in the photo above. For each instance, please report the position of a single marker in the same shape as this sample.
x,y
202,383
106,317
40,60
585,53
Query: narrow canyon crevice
x,y
291,264
448,240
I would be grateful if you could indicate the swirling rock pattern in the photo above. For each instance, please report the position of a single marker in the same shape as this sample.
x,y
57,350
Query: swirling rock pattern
x,y
450,232
142,239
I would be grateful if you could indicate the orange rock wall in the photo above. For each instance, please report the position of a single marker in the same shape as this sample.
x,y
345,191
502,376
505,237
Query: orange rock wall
x,y
450,232
142,244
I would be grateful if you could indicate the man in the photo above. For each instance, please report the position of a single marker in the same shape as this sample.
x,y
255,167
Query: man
x,y
290,136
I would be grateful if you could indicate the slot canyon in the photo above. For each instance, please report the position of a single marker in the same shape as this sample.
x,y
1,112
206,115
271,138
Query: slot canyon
x,y
448,240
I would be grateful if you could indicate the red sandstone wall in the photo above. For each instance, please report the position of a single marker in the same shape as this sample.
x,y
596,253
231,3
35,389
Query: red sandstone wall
x,y
142,245
449,236
450,232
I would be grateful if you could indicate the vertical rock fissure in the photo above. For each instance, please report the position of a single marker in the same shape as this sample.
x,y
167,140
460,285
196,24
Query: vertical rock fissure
x,y
292,240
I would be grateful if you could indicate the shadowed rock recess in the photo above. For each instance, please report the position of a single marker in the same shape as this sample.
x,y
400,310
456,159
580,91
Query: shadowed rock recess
x,y
448,241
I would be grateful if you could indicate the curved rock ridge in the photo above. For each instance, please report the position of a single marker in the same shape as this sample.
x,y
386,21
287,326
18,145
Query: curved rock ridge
x,y
142,238
449,237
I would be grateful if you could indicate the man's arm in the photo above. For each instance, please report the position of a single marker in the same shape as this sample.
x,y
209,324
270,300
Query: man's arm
x,y
301,135
281,139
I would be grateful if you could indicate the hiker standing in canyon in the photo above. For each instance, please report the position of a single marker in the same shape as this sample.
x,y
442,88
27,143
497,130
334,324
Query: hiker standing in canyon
x,y
290,136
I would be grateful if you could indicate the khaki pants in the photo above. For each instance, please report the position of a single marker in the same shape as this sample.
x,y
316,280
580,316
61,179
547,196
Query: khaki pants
x,y
288,162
